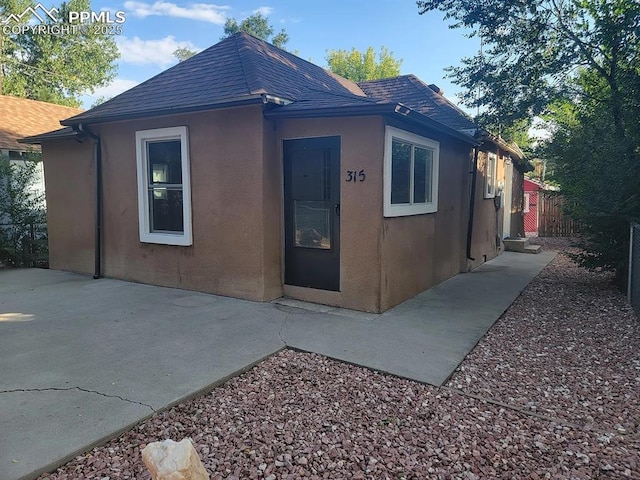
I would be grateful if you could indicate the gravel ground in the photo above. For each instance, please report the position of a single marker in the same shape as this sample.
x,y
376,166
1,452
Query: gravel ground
x,y
552,391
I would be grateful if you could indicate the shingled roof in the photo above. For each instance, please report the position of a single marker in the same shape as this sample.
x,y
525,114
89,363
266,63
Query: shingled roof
x,y
239,69
242,69
21,117
417,95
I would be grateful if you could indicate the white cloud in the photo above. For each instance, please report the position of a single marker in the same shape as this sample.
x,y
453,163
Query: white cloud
x,y
264,11
197,11
150,52
116,87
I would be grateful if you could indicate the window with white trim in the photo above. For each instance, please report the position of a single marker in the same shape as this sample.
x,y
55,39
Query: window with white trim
x,y
410,173
526,203
164,186
490,172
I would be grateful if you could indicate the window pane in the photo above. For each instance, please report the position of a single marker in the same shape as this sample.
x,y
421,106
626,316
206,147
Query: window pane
x,y
166,210
164,162
422,171
400,172
312,224
491,174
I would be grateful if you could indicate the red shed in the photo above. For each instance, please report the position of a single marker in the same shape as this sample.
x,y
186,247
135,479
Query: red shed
x,y
531,192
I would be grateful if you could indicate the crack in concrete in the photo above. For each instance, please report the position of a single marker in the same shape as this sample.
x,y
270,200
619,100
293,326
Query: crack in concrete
x,y
284,322
80,389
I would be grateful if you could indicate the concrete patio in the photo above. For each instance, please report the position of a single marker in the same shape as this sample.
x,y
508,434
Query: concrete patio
x,y
85,359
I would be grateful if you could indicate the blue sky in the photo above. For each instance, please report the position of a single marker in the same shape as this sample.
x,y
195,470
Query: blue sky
x,y
154,29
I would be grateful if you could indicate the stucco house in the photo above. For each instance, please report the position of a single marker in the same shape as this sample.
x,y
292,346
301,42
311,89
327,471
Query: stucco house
x,y
249,172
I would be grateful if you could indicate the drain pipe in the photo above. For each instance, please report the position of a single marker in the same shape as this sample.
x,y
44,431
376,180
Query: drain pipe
x,y
97,155
472,202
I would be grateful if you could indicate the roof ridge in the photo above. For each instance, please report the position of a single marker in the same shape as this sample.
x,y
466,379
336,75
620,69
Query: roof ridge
x,y
242,59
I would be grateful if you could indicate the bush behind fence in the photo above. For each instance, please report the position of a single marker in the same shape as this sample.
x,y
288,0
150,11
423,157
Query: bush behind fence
x,y
24,245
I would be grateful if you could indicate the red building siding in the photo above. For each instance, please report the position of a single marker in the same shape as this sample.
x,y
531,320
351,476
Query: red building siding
x,y
530,207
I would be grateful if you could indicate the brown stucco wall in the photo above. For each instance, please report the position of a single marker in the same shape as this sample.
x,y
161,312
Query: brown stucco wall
x,y
228,252
69,172
488,222
235,207
421,251
362,145
236,176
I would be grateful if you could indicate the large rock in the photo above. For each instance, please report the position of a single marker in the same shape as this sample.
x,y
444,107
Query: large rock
x,y
169,460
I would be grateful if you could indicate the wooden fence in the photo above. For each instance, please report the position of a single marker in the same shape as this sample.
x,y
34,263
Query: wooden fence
x,y
552,220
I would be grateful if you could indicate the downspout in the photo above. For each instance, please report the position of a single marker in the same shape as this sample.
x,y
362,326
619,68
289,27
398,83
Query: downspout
x,y
472,202
97,155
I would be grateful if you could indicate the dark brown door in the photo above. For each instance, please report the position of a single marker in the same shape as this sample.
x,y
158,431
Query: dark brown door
x,y
312,212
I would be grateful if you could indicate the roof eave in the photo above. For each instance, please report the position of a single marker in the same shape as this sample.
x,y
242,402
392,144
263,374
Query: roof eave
x,y
53,135
230,102
394,109
440,127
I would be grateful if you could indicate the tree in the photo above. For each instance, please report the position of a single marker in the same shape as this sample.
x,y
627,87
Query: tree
x,y
258,26
577,62
531,49
358,66
183,54
21,207
52,67
597,173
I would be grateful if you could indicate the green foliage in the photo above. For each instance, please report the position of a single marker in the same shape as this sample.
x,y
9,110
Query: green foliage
x,y
598,170
258,26
359,66
99,101
576,63
55,68
183,54
531,49
21,207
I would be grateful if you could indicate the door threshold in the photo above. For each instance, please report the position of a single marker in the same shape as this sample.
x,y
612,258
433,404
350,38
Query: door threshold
x,y
319,308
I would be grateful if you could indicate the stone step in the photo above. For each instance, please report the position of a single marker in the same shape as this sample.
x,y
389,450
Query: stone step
x,y
516,244
533,248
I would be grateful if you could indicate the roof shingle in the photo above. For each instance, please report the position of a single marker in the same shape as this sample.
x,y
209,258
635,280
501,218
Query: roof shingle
x,y
21,117
417,95
239,67
242,69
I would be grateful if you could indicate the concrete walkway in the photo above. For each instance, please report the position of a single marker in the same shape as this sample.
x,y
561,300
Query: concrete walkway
x,y
83,359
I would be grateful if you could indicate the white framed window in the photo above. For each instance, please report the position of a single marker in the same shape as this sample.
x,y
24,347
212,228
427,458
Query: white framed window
x,y
490,172
411,165
526,203
164,186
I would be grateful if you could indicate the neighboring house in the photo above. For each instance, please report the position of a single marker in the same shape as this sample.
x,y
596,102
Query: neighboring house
x,y
249,172
21,117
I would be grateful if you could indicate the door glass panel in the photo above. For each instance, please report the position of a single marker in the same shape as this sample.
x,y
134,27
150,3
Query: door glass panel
x,y
309,176
312,224
400,172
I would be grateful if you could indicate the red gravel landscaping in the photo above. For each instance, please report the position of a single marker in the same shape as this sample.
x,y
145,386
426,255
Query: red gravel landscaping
x,y
552,391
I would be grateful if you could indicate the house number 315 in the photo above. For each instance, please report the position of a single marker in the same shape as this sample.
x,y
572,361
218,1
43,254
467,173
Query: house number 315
x,y
355,176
